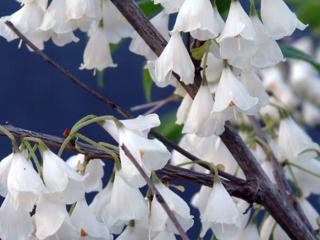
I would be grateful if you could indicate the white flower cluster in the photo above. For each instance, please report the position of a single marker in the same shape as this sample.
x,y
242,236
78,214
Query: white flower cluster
x,y
237,62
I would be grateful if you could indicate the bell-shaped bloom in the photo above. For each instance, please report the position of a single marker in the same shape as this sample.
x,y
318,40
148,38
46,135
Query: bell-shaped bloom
x,y
214,68
165,235
184,108
61,180
284,26
310,212
97,52
238,36
27,20
15,223
273,81
138,45
159,220
200,199
4,171
199,112
310,114
151,154
198,18
87,224
221,214
55,24
293,140
81,12
174,58
94,171
254,86
170,6
114,23
268,52
49,216
271,229
126,203
24,183
231,95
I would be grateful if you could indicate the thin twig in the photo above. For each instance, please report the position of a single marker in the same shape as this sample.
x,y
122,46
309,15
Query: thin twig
x,y
157,194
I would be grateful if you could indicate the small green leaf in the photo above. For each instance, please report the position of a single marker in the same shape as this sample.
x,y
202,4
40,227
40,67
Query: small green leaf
x,y
169,128
197,53
149,8
291,52
147,84
223,7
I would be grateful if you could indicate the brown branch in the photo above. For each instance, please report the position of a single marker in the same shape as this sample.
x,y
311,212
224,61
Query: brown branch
x,y
279,206
157,194
237,188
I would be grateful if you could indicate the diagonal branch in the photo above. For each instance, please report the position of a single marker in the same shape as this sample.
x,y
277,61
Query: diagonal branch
x,y
238,188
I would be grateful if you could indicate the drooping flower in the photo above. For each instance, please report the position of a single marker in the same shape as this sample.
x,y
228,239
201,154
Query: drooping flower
x,y
231,95
221,214
271,229
151,154
15,223
87,224
138,46
63,182
97,52
174,58
238,36
55,24
250,232
135,232
93,170
27,20
159,220
184,108
24,184
198,18
285,26
293,140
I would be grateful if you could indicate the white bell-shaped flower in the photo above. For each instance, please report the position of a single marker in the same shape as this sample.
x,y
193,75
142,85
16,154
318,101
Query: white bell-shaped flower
x,y
200,199
170,6
214,69
87,224
5,165
199,112
27,20
93,170
55,24
310,114
183,110
136,232
284,26
49,216
81,12
254,86
126,203
221,214
97,52
114,23
61,180
198,18
24,183
165,235
293,140
151,154
231,95
310,212
15,223
271,229
238,36
268,52
174,58
159,220
138,46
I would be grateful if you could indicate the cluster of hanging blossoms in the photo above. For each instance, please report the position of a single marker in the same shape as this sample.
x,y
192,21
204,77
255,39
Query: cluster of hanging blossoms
x,y
236,58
